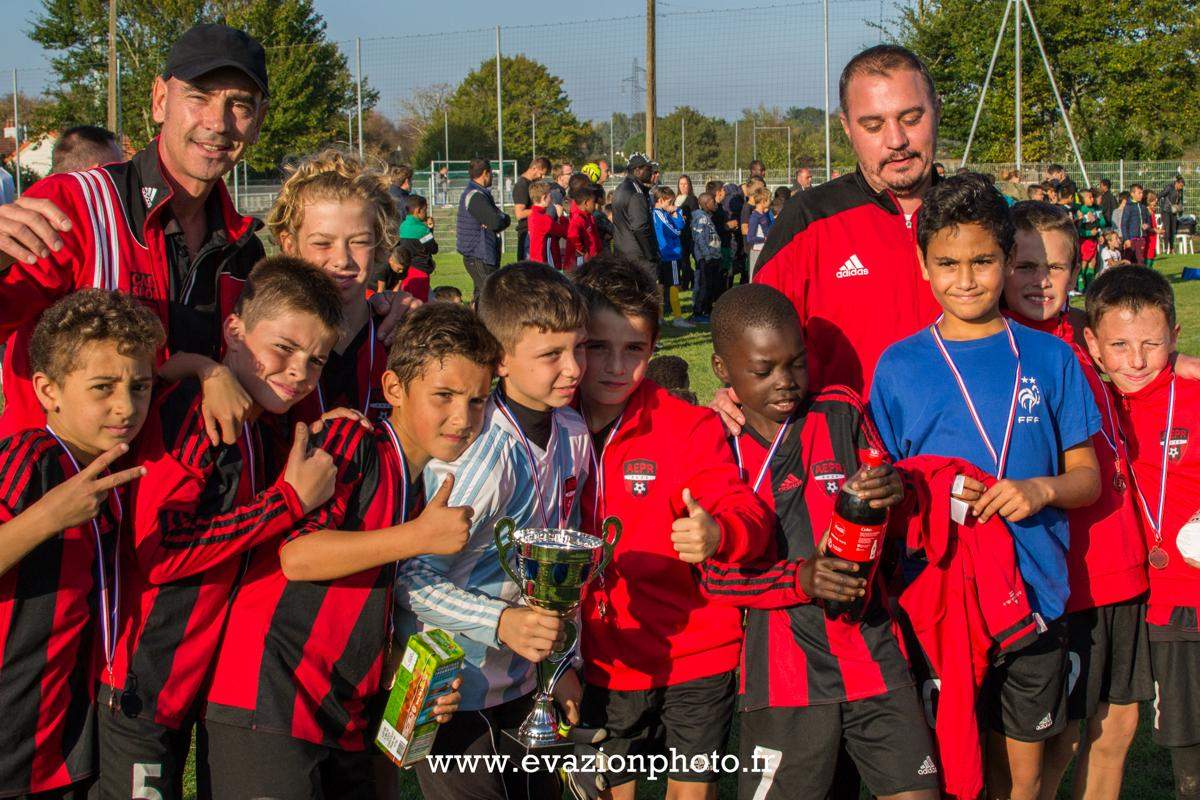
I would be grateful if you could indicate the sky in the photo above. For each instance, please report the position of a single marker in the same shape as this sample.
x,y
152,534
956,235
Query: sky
x,y
720,62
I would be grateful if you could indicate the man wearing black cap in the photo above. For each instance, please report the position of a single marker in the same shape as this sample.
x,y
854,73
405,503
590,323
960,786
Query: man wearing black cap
x,y
633,234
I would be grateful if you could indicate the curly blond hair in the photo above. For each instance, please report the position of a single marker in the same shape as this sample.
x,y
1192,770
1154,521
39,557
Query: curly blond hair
x,y
333,175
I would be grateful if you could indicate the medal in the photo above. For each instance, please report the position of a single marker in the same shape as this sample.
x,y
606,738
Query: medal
x,y
366,410
762,472
1001,459
110,601
1119,483
563,513
598,499
1158,557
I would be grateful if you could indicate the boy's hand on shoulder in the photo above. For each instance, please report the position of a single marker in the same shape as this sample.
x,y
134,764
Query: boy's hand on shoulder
x,y
725,403
1013,500
531,632
311,474
697,536
881,486
225,406
79,498
444,529
340,413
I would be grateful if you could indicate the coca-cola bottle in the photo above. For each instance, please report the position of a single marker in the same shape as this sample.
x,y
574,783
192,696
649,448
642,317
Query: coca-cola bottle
x,y
856,534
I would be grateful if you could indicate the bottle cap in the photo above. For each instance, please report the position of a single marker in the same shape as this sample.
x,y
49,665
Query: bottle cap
x,y
873,458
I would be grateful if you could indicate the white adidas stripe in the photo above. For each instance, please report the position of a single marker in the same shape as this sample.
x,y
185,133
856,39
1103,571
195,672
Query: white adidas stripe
x,y
114,252
98,269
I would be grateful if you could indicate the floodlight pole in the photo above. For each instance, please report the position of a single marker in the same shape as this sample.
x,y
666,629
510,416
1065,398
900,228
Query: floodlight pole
x,y
1017,86
1062,109
1008,7
358,71
828,155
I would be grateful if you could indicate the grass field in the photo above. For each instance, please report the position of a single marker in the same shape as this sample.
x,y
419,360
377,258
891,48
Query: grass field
x,y
1148,771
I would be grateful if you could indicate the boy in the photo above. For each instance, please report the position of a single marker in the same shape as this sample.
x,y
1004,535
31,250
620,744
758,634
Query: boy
x,y
92,355
659,659
446,294
416,238
1007,398
1109,653
668,228
295,691
724,226
546,232
1091,222
392,275
583,240
758,224
529,464
856,688
197,512
706,249
1135,226
1132,333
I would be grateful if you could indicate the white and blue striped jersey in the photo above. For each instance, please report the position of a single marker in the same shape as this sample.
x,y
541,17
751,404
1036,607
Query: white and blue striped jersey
x,y
464,593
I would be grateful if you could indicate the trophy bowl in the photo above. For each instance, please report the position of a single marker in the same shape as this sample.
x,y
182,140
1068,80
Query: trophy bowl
x,y
552,567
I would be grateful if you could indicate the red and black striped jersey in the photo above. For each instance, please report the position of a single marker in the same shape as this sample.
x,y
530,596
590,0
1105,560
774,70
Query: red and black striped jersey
x,y
196,514
49,640
304,658
351,379
793,654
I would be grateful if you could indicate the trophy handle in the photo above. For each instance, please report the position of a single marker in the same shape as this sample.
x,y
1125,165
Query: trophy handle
x,y
504,545
610,532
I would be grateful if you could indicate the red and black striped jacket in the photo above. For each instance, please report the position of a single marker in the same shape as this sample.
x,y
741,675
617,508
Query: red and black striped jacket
x,y
302,658
49,639
793,654
196,514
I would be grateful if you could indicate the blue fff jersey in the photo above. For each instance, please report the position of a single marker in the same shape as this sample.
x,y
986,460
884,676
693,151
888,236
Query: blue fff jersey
x,y
919,410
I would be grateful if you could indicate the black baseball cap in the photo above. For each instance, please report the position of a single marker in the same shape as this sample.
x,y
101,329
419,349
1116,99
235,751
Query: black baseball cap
x,y
637,160
212,46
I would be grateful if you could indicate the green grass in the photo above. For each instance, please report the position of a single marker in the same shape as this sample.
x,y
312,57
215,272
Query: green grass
x,y
1148,770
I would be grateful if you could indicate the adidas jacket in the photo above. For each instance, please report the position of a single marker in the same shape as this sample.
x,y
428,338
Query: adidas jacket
x,y
117,241
847,259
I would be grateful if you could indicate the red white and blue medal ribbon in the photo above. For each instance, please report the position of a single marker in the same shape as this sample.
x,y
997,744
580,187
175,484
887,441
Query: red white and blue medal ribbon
x,y
1157,556
370,370
1110,423
110,602
1000,459
598,470
766,465
533,462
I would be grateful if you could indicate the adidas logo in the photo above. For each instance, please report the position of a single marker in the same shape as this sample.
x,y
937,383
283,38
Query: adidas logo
x,y
852,268
148,194
790,484
928,767
1046,722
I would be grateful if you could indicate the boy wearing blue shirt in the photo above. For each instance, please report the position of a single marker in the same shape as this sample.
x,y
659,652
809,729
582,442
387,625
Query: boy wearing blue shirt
x,y
1013,401
668,228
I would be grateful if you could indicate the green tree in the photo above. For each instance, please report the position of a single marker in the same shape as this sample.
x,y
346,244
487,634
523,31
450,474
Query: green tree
x,y
703,137
1127,71
311,87
528,88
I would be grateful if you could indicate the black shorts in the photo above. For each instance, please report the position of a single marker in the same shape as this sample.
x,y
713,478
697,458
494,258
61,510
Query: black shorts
x,y
793,752
681,722
248,764
668,273
84,790
140,758
1109,657
1024,694
1175,656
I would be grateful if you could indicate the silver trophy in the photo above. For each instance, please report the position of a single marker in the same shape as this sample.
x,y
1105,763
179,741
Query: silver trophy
x,y
553,565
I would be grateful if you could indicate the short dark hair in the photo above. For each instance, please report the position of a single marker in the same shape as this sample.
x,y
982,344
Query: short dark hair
x,y
284,283
415,203
883,59
530,295
597,193
1067,188
581,194
477,167
757,163
1057,168
81,147
669,372
746,306
87,317
1133,186
663,193
712,187
1106,183
1132,288
1033,215
446,294
576,181
541,161
614,283
967,199
435,332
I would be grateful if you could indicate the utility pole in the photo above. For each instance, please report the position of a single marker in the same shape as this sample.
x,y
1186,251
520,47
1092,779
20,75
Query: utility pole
x,y
533,121
358,73
112,65
1017,88
446,131
612,149
682,144
828,155
651,104
499,128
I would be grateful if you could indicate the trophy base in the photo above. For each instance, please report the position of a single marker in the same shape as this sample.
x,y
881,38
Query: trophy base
x,y
540,729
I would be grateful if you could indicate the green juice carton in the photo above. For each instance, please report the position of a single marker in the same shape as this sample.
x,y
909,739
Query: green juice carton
x,y
431,662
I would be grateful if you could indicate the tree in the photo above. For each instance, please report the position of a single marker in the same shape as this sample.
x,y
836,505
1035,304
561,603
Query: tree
x,y
311,87
1127,71
528,88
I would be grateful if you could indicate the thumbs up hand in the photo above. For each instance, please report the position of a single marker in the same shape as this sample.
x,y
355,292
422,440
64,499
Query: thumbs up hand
x,y
444,529
697,536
